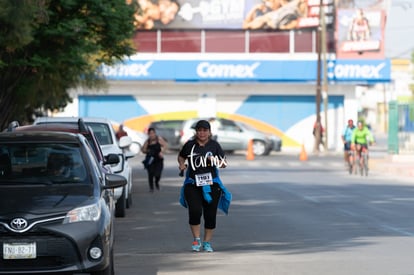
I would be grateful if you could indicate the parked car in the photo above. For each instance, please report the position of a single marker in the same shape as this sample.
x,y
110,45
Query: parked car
x,y
234,135
105,133
170,130
56,205
105,162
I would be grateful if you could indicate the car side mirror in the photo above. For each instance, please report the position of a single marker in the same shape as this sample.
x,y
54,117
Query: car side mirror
x,y
114,181
111,159
132,151
125,141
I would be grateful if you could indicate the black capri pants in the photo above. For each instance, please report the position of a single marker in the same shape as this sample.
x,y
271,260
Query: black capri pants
x,y
197,206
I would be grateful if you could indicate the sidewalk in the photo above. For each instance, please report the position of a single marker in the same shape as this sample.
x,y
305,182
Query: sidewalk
x,y
398,165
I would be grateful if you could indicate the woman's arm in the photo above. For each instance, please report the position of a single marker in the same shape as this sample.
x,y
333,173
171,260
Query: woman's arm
x,y
181,163
163,143
144,148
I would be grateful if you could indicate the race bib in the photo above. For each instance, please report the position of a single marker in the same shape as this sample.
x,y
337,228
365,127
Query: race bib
x,y
204,179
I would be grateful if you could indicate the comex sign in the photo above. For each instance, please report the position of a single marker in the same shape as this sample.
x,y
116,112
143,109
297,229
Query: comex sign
x,y
357,71
280,70
204,70
209,70
127,70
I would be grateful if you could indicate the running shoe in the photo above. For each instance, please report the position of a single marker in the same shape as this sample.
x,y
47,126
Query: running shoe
x,y
196,245
207,247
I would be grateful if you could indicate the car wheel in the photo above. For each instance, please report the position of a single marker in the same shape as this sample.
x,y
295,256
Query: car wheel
x,y
128,188
259,148
129,200
120,205
110,269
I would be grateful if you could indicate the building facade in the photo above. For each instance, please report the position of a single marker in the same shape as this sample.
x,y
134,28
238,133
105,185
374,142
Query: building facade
x,y
263,77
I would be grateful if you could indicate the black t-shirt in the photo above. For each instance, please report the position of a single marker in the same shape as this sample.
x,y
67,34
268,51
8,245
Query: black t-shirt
x,y
197,157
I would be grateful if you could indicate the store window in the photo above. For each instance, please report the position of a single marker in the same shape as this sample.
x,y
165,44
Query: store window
x,y
269,42
181,41
146,42
225,42
304,42
217,41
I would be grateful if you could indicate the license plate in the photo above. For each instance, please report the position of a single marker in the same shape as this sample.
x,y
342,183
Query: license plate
x,y
19,251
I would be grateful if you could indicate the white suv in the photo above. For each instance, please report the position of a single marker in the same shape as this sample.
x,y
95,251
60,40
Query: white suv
x,y
235,135
105,133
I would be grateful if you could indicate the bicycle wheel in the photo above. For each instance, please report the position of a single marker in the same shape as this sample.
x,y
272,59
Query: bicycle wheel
x,y
366,164
351,166
360,164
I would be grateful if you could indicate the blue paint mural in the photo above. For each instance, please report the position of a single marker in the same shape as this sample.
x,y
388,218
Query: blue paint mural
x,y
283,111
117,108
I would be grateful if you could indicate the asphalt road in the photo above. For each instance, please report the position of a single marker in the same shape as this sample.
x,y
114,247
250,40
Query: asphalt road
x,y
287,217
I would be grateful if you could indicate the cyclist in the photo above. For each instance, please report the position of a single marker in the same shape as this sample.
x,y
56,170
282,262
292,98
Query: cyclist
x,y
346,139
361,136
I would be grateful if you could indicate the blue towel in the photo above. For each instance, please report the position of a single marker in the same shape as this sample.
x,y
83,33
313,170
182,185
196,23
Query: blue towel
x,y
225,198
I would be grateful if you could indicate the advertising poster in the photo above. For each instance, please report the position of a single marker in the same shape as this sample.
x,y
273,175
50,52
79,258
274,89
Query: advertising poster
x,y
360,28
231,14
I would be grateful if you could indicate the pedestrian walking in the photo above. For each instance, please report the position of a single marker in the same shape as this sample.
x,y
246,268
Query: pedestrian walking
x,y
121,132
153,149
318,129
203,192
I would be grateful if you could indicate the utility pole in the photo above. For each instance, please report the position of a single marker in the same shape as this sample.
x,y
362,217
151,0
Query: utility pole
x,y
317,129
325,72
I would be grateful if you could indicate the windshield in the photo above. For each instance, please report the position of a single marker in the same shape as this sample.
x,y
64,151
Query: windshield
x,y
41,163
248,127
102,132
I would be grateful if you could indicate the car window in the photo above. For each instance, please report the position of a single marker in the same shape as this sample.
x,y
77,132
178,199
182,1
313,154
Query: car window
x,y
248,127
44,163
95,167
167,124
228,125
102,132
95,147
173,124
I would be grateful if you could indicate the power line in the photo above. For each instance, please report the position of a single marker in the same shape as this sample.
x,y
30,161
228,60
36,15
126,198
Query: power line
x,y
403,53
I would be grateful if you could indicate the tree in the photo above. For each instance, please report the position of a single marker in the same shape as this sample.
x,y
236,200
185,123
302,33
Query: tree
x,y
48,47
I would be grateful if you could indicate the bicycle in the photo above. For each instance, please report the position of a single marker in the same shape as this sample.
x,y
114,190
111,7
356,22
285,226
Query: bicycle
x,y
351,162
363,161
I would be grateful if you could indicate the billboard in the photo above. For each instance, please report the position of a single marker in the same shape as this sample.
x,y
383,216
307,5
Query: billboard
x,y
231,14
360,28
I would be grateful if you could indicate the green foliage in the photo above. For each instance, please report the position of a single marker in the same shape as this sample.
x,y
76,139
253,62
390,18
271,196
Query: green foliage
x,y
48,47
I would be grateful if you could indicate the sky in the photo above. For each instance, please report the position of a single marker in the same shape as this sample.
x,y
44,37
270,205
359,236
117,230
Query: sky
x,y
399,30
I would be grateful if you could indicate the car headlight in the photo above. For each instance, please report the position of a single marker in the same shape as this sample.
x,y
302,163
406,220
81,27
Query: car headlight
x,y
85,213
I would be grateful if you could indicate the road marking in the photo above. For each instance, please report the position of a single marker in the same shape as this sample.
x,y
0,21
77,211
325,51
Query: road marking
x,y
398,230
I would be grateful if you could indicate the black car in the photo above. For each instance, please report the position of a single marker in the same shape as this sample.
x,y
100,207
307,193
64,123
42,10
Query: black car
x,y
56,205
105,162
170,130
